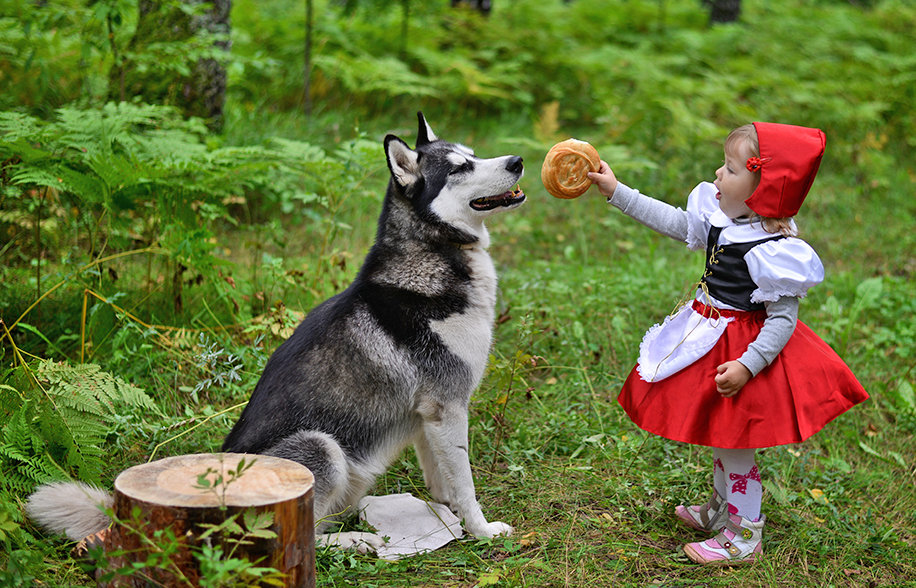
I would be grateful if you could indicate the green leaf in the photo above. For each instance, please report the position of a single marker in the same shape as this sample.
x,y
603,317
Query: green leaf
x,y
869,292
903,394
255,520
896,457
490,578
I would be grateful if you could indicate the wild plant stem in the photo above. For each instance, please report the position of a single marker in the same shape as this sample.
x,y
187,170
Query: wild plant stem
x,y
152,455
41,198
77,272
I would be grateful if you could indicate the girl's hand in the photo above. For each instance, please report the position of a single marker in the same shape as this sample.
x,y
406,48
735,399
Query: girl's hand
x,y
605,179
732,376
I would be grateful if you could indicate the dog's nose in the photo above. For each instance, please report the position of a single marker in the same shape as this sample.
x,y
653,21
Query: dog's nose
x,y
514,164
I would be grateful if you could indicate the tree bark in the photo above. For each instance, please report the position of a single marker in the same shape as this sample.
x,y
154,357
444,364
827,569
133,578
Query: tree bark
x,y
203,92
309,25
482,6
161,495
723,11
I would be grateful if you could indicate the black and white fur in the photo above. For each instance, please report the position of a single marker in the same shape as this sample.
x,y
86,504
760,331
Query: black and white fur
x,y
393,359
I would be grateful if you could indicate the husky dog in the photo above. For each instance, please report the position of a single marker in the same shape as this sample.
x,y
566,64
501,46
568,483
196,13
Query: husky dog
x,y
393,359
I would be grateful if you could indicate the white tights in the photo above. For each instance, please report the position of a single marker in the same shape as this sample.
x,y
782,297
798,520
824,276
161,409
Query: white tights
x,y
737,480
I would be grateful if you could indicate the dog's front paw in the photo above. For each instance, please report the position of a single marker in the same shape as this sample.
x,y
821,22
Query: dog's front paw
x,y
488,530
353,540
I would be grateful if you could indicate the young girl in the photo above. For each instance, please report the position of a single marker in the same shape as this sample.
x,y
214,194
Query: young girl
x,y
735,369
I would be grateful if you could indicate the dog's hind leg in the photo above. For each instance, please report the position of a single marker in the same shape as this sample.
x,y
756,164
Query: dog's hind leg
x,y
445,427
324,457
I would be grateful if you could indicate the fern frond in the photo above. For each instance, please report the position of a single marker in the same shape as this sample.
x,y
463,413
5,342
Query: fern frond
x,y
64,431
120,126
366,74
24,462
20,482
17,438
91,386
15,126
291,150
39,470
63,178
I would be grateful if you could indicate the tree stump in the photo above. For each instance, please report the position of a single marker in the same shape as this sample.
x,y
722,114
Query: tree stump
x,y
153,499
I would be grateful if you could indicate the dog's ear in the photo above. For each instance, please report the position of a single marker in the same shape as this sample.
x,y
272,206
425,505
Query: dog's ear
x,y
403,161
425,133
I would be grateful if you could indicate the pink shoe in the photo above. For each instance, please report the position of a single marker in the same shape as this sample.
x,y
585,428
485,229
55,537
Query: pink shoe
x,y
739,542
706,517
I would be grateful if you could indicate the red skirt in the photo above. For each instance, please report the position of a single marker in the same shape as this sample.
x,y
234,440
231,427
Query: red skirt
x,y
805,387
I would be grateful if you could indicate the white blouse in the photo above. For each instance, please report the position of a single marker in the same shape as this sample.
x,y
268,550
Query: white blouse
x,y
783,267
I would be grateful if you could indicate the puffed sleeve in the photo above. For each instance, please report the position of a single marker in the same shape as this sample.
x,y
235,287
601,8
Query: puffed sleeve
x,y
701,204
784,267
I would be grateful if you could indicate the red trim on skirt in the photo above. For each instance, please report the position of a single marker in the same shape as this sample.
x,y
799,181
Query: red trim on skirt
x,y
805,387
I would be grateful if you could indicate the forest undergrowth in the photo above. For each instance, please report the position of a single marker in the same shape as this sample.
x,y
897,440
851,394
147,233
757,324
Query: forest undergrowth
x,y
150,265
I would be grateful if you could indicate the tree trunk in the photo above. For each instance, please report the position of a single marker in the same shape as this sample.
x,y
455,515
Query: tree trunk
x,y
723,11
482,6
309,24
405,27
203,92
165,495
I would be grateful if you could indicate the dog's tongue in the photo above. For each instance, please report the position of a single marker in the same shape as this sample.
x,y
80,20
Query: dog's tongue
x,y
507,198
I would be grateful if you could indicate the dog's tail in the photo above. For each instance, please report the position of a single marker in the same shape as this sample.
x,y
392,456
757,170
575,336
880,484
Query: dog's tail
x,y
73,508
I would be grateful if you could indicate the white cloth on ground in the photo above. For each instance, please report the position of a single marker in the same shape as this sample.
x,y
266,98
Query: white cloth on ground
x,y
412,525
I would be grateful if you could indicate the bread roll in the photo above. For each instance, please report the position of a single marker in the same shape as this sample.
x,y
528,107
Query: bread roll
x,y
566,167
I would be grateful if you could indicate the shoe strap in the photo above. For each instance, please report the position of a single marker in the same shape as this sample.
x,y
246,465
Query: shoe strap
x,y
714,505
729,546
745,533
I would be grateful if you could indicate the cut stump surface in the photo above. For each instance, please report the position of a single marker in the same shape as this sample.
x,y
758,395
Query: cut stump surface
x,y
167,496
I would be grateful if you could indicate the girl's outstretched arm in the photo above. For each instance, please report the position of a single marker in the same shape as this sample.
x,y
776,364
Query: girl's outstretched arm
x,y
655,214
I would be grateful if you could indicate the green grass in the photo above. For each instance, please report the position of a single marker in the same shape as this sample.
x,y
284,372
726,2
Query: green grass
x,y
589,494
592,496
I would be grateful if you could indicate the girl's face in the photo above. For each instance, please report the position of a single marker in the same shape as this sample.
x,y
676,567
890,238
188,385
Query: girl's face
x,y
735,183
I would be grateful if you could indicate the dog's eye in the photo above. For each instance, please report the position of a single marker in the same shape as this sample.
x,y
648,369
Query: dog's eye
x,y
464,167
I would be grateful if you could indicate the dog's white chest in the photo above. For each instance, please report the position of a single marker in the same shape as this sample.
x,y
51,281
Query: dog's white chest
x,y
468,334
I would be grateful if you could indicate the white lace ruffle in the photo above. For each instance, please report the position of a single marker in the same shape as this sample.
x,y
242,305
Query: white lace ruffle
x,y
681,339
759,295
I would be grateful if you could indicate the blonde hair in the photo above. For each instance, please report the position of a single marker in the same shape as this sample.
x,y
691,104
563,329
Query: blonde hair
x,y
745,137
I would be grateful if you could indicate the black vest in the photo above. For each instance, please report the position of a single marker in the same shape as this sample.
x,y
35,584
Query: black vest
x,y
727,277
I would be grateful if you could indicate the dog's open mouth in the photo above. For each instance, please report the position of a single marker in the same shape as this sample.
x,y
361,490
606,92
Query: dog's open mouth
x,y
507,198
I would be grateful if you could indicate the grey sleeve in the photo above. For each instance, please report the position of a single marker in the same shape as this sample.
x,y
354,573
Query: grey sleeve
x,y
655,214
782,315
